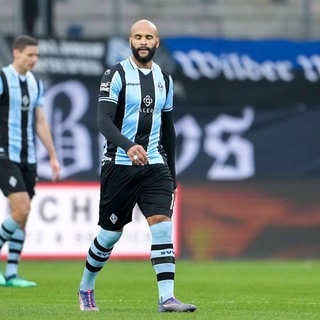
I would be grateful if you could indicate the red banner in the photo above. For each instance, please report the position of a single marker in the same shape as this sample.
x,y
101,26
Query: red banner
x,y
246,220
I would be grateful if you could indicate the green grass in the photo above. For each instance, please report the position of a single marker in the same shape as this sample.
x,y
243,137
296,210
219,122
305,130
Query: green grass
x,y
269,290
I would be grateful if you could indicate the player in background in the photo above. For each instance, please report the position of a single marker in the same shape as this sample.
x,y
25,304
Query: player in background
x,y
135,116
21,118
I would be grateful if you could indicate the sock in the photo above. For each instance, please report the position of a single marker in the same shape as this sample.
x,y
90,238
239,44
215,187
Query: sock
x,y
7,229
98,254
15,245
163,258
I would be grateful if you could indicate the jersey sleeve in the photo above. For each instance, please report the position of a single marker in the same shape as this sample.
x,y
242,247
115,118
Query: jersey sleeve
x,y
168,142
40,98
110,88
1,85
169,102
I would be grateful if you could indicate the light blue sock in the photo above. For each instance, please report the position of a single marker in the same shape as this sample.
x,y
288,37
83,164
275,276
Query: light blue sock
x,y
7,229
15,245
163,258
98,254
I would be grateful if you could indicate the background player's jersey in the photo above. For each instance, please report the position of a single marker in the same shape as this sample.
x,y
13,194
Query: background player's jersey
x,y
19,96
141,97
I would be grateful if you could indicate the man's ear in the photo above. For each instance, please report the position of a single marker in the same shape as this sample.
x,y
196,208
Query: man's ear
x,y
15,52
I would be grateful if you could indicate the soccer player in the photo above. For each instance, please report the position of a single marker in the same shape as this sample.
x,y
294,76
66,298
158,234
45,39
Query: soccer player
x,y
135,116
21,117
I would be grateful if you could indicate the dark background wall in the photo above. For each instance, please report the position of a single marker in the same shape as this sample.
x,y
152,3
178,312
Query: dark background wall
x,y
247,116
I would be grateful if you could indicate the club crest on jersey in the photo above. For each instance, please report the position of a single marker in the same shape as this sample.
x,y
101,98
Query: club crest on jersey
x,y
160,86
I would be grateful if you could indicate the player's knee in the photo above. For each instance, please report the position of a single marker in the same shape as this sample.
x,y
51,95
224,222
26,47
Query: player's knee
x,y
20,210
157,218
108,238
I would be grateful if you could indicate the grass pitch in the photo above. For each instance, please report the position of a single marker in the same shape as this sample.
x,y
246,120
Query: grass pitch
x,y
127,290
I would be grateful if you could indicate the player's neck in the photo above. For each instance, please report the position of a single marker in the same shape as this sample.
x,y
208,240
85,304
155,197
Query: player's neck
x,y
18,69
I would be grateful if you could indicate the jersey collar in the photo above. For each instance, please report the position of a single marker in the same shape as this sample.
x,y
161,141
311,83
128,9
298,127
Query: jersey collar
x,y
22,77
136,67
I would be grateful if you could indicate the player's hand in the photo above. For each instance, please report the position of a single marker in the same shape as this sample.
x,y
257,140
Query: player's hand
x,y
55,167
174,196
138,155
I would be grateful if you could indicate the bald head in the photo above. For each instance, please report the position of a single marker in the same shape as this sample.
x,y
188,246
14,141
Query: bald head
x,y
144,42
144,26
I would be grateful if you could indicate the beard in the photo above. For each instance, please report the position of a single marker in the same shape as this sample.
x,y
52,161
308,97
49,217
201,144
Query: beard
x,y
147,58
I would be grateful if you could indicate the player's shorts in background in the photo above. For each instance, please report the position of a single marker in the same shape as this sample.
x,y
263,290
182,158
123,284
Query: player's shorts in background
x,y
17,177
149,186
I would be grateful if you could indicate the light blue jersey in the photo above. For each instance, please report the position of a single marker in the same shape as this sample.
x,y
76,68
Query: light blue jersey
x,y
141,95
19,96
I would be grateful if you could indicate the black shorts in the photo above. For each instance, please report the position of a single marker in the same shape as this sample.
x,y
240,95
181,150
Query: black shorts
x,y
17,177
122,187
